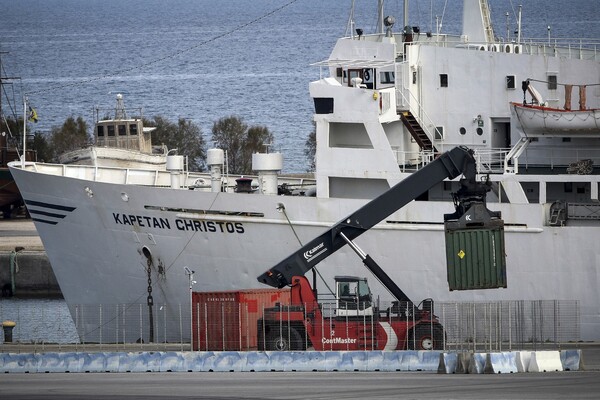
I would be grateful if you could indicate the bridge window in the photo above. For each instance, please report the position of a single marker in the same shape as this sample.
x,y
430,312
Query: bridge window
x,y
122,130
110,130
387,77
133,129
100,130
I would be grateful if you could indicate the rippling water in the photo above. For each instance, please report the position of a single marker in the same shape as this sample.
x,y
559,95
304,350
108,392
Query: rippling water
x,y
198,59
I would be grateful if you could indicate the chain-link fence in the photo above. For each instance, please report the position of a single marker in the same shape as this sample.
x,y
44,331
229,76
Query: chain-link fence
x,y
473,326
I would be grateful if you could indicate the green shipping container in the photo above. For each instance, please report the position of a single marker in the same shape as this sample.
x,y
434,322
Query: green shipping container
x,y
475,257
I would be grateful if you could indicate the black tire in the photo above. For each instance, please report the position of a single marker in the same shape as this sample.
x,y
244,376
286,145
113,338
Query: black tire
x,y
279,339
426,337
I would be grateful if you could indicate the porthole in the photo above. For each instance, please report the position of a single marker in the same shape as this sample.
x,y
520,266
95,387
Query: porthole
x,y
462,130
479,131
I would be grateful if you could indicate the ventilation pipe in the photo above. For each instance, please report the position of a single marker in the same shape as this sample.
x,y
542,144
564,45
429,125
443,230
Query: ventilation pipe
x,y
175,167
215,158
267,166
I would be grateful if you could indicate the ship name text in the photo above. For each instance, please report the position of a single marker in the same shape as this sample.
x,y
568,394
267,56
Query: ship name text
x,y
144,221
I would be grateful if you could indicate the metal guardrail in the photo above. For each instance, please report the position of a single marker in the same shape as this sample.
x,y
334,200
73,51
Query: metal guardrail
x,y
473,326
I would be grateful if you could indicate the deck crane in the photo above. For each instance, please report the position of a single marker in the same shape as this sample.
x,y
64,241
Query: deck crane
x,y
357,324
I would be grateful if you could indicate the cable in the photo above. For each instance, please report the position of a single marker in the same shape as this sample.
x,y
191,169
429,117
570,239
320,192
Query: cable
x,y
281,208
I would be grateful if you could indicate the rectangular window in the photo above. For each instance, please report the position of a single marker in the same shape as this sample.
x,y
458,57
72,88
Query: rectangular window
x,y
439,132
100,131
110,130
386,77
323,105
339,72
122,130
133,129
552,82
510,81
443,80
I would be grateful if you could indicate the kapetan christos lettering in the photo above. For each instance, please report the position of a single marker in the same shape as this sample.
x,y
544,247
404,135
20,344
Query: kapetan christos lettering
x,y
181,224
315,251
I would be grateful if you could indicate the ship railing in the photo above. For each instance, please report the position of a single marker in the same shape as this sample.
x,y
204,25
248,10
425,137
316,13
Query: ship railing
x,y
577,48
491,161
556,158
160,178
411,161
236,326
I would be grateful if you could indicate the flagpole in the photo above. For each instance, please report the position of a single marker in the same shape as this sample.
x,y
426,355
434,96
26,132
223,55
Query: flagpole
x,y
24,133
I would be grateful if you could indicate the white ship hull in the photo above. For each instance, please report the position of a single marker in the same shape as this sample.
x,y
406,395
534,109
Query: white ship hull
x,y
104,263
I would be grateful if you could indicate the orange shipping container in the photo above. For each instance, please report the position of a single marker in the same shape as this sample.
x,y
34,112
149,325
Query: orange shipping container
x,y
226,321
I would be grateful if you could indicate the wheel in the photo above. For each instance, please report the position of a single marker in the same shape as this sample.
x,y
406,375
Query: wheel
x,y
282,340
426,337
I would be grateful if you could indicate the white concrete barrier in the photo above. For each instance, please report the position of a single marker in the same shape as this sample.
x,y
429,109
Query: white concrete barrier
x,y
447,363
225,361
545,361
572,360
500,363
476,363
523,358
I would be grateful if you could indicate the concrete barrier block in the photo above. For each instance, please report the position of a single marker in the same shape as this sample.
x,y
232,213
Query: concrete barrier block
x,y
376,361
545,361
133,362
193,361
258,362
225,361
572,360
113,361
354,361
392,361
462,363
500,363
93,362
50,362
25,362
447,363
171,361
280,360
523,358
72,362
477,363
428,361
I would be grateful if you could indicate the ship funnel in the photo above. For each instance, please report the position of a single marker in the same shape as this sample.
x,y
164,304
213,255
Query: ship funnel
x,y
267,166
215,158
175,167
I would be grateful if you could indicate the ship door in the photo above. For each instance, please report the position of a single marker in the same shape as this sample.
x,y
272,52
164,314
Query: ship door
x,y
500,133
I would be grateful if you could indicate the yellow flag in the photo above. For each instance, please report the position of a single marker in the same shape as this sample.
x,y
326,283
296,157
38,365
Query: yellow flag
x,y
33,117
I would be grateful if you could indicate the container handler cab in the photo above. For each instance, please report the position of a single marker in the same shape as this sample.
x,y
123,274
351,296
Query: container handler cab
x,y
356,322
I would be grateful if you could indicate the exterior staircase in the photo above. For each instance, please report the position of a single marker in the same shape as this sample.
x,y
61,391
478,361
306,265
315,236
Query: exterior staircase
x,y
416,131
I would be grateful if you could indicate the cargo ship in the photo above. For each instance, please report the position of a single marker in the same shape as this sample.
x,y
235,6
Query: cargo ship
x,y
387,104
